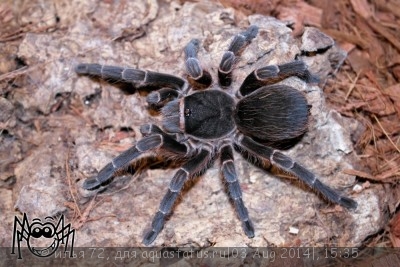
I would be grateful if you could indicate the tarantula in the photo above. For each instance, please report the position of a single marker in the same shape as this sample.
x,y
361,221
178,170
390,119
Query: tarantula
x,y
199,126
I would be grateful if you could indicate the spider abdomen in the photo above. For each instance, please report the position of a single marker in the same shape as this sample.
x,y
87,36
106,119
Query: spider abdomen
x,y
273,114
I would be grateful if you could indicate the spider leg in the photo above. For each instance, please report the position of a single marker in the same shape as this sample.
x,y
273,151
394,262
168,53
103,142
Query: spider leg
x,y
275,73
235,193
279,159
154,139
160,97
239,42
139,78
194,166
199,77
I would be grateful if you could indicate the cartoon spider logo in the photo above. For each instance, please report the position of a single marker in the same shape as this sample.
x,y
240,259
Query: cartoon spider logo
x,y
43,238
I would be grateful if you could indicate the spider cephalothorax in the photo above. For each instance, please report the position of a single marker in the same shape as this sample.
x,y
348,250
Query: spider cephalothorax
x,y
200,126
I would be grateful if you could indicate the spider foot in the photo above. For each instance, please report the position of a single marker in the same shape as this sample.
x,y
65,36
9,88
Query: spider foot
x,y
348,203
91,183
104,176
156,225
149,237
334,196
248,228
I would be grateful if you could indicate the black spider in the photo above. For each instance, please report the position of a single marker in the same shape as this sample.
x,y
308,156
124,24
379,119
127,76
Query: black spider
x,y
202,125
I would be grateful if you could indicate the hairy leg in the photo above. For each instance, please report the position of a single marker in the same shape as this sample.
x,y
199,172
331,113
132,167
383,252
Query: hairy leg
x,y
239,42
139,78
198,77
154,140
235,193
160,97
284,162
275,73
194,166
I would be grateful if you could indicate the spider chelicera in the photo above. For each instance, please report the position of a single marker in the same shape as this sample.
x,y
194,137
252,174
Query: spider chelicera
x,y
202,122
